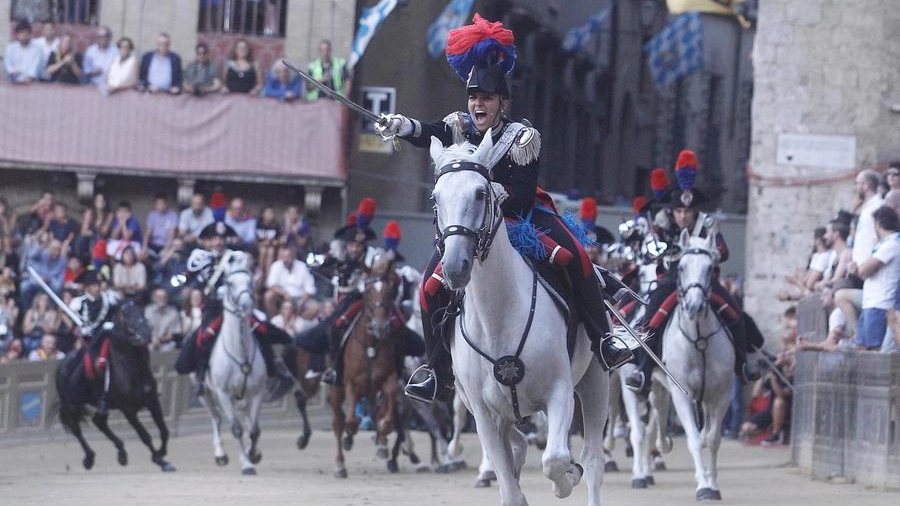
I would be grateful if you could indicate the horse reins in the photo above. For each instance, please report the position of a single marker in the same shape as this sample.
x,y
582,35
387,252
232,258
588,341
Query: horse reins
x,y
491,218
246,366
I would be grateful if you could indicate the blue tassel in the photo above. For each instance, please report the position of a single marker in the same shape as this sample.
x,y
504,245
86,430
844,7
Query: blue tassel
x,y
526,239
573,223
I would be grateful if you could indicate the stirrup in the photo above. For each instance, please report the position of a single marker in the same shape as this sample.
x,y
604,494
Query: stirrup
x,y
329,377
425,390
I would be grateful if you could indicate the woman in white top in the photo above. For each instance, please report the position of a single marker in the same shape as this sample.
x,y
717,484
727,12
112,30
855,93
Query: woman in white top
x,y
123,72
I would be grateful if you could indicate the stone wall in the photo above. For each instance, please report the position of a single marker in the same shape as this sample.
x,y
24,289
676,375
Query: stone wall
x,y
825,67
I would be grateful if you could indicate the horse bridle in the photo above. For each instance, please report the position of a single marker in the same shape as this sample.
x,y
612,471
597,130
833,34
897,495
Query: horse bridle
x,y
491,218
370,307
704,288
234,298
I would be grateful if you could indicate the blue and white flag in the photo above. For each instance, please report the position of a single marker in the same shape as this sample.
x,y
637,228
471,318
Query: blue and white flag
x,y
577,37
676,51
453,16
369,21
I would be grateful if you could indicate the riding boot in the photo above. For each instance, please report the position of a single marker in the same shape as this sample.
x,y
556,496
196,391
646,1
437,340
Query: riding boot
x,y
204,350
593,314
638,380
332,375
739,340
280,379
433,380
103,398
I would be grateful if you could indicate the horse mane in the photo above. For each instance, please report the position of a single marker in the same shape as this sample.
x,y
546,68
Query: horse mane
x,y
703,244
383,263
463,152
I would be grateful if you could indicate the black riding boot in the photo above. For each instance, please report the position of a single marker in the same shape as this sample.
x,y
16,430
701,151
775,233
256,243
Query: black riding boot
x,y
433,380
332,376
593,314
280,379
639,379
739,340
103,398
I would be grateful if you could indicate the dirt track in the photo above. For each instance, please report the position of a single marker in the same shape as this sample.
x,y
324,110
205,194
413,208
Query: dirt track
x,y
50,472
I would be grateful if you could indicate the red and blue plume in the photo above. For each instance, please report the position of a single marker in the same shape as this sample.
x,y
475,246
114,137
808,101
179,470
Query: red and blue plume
x,y
365,212
637,204
659,182
686,169
351,220
588,213
391,235
480,44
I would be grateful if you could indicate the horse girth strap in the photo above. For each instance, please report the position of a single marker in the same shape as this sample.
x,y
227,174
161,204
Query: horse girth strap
x,y
509,370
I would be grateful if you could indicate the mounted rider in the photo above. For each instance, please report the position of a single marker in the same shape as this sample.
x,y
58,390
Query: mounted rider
x,y
203,270
481,55
96,308
680,211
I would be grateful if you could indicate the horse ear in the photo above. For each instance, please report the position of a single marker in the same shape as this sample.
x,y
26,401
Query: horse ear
x,y
487,143
436,149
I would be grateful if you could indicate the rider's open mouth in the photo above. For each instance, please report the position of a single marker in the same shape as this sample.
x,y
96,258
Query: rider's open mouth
x,y
480,115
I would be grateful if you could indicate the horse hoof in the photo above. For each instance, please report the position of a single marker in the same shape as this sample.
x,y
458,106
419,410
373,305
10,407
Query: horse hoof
x,y
659,465
255,457
348,443
248,471
414,459
639,483
708,494
392,466
611,467
222,461
482,483
302,441
381,452
88,461
340,473
167,467
122,457
651,480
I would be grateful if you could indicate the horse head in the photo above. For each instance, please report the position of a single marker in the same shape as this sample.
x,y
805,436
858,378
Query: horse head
x,y
238,284
467,206
130,324
695,270
379,295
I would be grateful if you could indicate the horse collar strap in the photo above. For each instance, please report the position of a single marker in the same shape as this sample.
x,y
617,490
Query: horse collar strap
x,y
459,166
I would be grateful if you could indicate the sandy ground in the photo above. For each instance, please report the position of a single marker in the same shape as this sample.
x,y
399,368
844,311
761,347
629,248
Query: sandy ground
x,y
50,472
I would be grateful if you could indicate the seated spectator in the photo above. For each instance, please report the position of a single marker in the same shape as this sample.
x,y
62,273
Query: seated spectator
x,y
123,71
192,220
161,225
161,69
241,71
74,268
61,227
268,237
129,277
192,311
202,75
171,262
96,222
164,320
40,318
308,313
98,58
125,232
13,352
9,314
47,350
283,84
838,335
50,265
64,65
881,275
242,221
23,60
800,284
287,318
49,40
287,278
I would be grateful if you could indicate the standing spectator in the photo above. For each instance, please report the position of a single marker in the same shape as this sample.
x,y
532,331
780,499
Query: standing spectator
x,y
282,84
64,64
893,195
95,225
124,232
164,320
241,72
242,221
49,40
98,57
881,273
287,278
123,71
47,350
201,75
194,219
50,265
62,227
23,60
161,69
39,319
7,221
129,276
330,71
268,237
161,224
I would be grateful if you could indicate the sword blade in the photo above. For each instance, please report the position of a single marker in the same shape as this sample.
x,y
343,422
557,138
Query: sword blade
x,y
55,298
646,348
774,368
335,95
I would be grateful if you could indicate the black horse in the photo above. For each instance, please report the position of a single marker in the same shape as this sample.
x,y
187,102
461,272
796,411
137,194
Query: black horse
x,y
132,387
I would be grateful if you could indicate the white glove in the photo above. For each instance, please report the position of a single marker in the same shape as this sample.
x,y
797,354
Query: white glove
x,y
392,125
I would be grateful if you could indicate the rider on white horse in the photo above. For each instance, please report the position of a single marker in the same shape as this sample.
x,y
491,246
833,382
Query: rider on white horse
x,y
197,347
680,212
514,164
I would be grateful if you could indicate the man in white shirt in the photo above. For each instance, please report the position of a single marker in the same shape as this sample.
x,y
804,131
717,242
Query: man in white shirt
x,y
23,60
192,220
99,56
287,278
49,40
881,273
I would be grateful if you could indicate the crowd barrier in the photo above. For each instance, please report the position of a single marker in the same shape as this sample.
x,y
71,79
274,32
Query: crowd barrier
x,y
846,408
28,396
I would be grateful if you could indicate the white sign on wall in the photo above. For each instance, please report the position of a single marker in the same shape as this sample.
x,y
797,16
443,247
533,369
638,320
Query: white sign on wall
x,y
813,150
380,100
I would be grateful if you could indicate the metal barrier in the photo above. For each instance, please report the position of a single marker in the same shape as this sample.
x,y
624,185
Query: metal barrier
x,y
28,394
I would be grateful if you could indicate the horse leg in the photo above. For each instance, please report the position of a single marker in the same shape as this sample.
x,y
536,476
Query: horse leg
x,y
152,404
713,438
495,440
303,438
216,415
385,423
636,434
70,416
615,397
460,413
351,421
557,461
237,430
253,453
685,409
594,411
102,423
336,396
144,436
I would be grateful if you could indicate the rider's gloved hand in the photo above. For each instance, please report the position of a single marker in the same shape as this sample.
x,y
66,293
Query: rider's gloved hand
x,y
392,125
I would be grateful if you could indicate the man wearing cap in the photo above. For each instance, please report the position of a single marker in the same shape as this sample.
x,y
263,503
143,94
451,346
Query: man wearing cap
x,y
95,306
681,212
196,348
482,54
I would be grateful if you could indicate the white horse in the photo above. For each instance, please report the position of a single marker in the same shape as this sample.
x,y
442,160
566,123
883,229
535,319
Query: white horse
x,y
236,380
698,352
510,330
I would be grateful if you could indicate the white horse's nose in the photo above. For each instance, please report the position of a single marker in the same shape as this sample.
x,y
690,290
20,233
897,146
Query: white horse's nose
x,y
245,301
457,271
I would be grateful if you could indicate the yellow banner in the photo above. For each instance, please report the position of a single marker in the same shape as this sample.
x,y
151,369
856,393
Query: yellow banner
x,y
708,6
